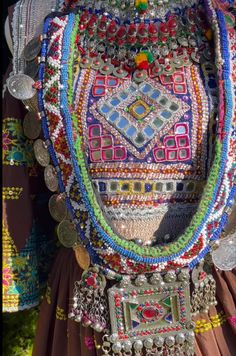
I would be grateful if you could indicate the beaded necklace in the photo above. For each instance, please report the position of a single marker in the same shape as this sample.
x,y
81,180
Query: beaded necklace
x,y
160,257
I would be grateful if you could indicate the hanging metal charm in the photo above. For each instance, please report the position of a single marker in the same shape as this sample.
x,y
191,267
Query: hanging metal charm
x,y
90,302
203,295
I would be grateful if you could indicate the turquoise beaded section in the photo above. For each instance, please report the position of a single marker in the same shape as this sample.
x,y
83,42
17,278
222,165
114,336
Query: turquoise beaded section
x,y
96,214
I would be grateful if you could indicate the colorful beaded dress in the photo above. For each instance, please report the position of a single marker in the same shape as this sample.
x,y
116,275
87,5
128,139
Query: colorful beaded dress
x,y
137,105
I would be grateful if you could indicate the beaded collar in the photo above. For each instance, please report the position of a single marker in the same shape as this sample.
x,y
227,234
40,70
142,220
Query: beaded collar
x,y
101,241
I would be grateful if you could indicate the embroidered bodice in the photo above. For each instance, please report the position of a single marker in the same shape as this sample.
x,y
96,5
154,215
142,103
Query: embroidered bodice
x,y
133,130
148,147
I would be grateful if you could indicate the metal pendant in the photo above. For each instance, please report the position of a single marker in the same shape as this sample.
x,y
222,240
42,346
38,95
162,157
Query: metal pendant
x,y
97,63
203,295
169,69
140,75
120,72
89,300
31,126
146,313
50,177
41,153
157,70
32,49
107,68
20,86
178,62
67,233
57,207
85,62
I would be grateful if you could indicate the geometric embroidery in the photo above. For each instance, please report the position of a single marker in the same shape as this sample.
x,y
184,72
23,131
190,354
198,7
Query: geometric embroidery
x,y
11,192
175,81
139,113
141,187
176,147
102,82
17,148
102,147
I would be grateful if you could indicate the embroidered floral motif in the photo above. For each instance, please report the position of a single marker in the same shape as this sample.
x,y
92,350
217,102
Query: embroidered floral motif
x,y
25,272
7,276
17,149
60,313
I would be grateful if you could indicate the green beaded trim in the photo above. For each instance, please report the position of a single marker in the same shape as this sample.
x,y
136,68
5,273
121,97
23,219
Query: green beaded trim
x,y
158,251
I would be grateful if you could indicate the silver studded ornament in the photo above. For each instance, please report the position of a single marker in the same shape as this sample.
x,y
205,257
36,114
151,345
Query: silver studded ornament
x,y
90,302
204,292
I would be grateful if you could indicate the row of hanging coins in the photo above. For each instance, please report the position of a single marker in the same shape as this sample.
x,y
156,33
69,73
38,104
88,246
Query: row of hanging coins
x,y
23,86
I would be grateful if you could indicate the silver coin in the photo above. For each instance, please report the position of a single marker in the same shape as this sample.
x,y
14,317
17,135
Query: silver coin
x,y
32,104
41,153
50,177
57,207
20,86
31,69
32,49
67,233
224,257
31,126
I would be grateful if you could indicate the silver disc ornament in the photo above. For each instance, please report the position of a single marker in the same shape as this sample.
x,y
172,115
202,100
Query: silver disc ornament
x,y
41,153
67,233
57,207
20,86
50,177
31,125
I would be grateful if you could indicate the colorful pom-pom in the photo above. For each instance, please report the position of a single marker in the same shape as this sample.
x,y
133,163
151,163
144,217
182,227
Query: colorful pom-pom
x,y
143,59
141,5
